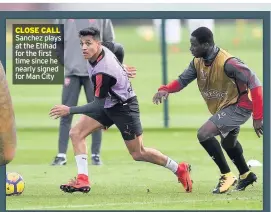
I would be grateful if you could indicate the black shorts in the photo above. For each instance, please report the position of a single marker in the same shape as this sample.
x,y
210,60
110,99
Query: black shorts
x,y
126,116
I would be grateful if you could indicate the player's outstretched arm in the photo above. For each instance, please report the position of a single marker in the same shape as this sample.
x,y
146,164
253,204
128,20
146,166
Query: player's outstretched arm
x,y
176,85
63,110
8,138
236,69
102,84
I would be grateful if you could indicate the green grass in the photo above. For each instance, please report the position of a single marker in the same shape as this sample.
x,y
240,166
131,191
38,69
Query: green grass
x,y
122,183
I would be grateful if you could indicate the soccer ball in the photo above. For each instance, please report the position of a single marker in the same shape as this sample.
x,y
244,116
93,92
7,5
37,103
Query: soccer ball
x,y
14,184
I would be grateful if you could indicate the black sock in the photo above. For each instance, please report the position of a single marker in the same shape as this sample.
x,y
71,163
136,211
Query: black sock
x,y
236,155
214,149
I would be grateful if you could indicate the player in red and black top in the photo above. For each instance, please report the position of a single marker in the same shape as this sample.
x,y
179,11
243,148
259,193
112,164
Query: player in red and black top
x,y
225,83
116,103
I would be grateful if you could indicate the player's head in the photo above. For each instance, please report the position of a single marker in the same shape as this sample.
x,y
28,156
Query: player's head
x,y
90,41
201,40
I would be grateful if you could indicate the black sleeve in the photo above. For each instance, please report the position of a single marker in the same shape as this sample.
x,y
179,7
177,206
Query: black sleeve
x,y
98,102
236,69
102,85
189,75
116,48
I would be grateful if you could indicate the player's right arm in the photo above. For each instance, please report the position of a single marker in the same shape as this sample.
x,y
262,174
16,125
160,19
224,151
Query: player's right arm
x,y
189,75
8,138
102,85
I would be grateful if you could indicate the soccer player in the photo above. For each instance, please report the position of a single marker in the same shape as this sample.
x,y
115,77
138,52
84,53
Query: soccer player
x,y
116,103
224,82
76,76
8,138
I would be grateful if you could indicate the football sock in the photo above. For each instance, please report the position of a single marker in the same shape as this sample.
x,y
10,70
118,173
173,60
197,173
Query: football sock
x,y
171,165
61,155
214,149
82,164
236,155
244,176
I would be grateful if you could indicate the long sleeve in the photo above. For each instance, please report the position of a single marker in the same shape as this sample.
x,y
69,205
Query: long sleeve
x,y
245,78
183,80
102,85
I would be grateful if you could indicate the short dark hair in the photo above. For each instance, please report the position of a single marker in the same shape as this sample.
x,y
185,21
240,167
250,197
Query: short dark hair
x,y
92,31
203,35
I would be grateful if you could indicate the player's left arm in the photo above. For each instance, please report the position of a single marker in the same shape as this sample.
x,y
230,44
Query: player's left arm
x,y
188,76
8,138
236,69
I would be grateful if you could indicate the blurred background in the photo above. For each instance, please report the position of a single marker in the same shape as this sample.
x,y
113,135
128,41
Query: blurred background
x,y
141,38
142,43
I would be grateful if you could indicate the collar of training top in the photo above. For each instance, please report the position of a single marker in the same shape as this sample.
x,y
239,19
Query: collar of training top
x,y
211,56
101,56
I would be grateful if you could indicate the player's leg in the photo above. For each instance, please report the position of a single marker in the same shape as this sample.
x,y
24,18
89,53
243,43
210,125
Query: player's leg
x,y
86,125
141,153
8,139
234,149
127,118
97,135
70,95
206,136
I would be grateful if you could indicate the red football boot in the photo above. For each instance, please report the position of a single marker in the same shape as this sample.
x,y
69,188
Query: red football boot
x,y
183,174
80,184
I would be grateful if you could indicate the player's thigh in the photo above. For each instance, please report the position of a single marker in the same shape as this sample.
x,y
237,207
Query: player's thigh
x,y
71,90
207,130
85,126
101,117
230,118
88,87
127,119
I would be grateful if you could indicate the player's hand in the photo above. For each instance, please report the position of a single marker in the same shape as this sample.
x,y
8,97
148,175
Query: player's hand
x,y
160,96
131,71
59,111
258,127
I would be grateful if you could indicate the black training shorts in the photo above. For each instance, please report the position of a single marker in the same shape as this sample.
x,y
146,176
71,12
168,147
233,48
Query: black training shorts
x,y
125,116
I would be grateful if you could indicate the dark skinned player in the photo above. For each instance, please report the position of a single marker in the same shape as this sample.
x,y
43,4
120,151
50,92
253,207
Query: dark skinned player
x,y
226,85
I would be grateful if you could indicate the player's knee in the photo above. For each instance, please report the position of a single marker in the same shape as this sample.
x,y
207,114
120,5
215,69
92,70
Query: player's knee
x,y
74,134
139,154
